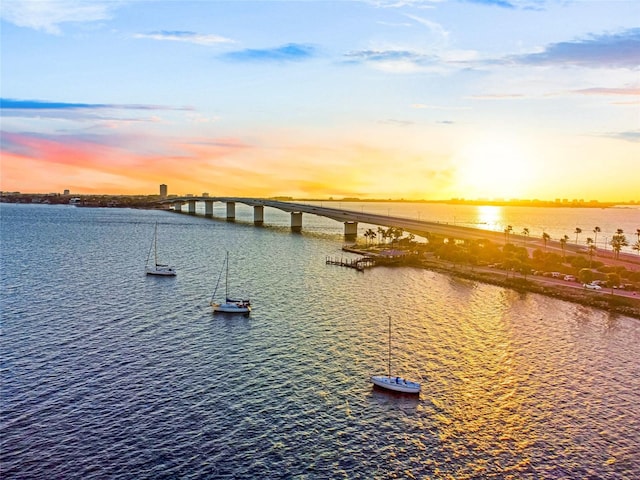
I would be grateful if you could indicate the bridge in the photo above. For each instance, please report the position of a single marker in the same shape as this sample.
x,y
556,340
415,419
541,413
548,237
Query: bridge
x,y
349,218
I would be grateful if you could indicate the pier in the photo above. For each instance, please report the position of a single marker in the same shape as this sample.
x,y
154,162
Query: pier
x,y
358,264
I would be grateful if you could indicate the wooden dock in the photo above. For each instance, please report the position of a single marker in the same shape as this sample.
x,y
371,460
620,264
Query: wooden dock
x,y
358,264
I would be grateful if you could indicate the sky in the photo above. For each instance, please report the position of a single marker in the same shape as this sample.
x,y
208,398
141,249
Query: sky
x,y
374,99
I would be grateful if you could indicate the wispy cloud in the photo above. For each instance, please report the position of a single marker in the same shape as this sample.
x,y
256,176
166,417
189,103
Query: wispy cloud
x,y
47,15
404,3
385,56
498,96
286,53
398,123
630,136
84,162
187,37
493,3
621,50
434,27
395,61
407,59
101,115
516,4
436,107
13,104
626,92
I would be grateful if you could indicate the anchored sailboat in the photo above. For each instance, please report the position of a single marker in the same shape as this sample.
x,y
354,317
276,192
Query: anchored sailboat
x,y
397,384
229,305
158,268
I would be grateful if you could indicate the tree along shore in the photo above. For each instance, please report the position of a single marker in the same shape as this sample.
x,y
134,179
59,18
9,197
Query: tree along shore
x,y
512,267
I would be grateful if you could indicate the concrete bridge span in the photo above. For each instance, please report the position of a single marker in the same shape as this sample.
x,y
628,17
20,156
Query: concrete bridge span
x,y
349,218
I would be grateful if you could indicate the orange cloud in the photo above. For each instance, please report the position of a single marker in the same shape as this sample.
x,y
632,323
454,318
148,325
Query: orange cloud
x,y
224,166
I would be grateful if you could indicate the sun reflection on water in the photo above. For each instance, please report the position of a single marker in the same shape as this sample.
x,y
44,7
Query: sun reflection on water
x,y
490,215
485,417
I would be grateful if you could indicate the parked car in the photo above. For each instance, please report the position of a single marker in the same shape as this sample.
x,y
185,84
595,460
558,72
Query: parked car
x,y
569,278
591,286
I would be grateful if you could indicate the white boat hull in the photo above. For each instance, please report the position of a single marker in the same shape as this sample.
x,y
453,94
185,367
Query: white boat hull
x,y
155,268
234,307
230,304
397,384
162,270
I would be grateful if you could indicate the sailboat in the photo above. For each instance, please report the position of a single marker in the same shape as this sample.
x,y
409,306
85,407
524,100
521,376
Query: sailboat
x,y
397,384
158,268
229,305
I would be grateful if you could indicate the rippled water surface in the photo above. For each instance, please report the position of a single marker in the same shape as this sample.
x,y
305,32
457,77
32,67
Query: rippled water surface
x,y
108,373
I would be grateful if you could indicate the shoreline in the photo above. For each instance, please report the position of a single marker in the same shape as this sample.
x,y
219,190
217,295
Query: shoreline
x,y
148,200
603,300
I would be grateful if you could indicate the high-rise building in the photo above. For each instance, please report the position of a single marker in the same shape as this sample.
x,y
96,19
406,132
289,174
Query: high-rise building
x,y
163,191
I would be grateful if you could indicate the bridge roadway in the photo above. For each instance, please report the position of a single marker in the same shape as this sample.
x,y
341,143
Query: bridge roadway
x,y
349,218
422,228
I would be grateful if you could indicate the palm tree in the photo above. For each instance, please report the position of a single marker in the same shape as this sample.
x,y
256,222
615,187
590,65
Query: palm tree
x,y
525,232
563,242
369,235
636,246
545,238
382,233
397,233
577,232
507,231
595,240
618,241
592,252
390,231
592,248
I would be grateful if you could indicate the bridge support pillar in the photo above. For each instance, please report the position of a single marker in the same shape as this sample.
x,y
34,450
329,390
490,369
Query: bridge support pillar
x,y
231,211
208,208
296,221
350,230
258,214
177,206
192,207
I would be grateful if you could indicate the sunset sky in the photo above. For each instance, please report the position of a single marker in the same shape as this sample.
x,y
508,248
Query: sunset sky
x,y
413,99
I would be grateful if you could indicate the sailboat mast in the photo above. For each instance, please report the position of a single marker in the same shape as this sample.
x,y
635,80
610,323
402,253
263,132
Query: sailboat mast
x,y
389,346
155,244
226,280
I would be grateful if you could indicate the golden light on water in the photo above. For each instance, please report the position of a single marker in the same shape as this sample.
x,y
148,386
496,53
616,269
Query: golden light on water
x,y
490,215
487,410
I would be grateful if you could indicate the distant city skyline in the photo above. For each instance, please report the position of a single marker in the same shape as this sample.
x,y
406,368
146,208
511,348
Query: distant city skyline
x,y
569,202
411,99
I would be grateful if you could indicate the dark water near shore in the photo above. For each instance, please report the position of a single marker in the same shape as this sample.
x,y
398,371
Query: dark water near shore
x,y
108,373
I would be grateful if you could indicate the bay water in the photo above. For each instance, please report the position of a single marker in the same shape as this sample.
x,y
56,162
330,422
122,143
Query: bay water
x,y
109,373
